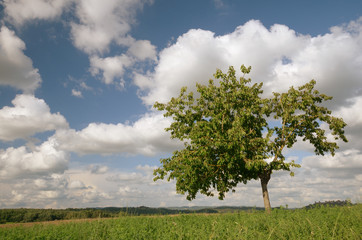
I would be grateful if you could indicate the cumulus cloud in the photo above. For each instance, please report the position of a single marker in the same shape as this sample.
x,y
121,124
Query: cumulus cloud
x,y
77,188
142,50
49,183
351,112
309,186
279,57
48,191
101,23
129,192
346,164
146,136
110,67
321,178
94,196
24,162
20,11
28,116
54,191
77,185
16,69
109,22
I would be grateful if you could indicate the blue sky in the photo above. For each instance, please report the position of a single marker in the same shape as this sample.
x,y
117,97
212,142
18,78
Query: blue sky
x,y
78,79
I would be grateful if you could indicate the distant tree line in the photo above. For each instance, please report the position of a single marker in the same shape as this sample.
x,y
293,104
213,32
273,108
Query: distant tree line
x,y
329,204
22,215
38,215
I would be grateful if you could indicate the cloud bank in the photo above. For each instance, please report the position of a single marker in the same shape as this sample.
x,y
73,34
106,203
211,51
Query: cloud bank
x,y
23,162
16,69
146,136
279,57
101,23
29,116
21,11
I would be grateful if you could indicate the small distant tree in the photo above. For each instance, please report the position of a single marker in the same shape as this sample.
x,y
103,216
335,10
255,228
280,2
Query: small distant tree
x,y
228,136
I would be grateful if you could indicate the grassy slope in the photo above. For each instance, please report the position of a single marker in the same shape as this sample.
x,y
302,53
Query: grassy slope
x,y
319,223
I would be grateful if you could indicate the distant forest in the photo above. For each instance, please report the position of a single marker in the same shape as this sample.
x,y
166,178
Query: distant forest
x,y
329,203
22,215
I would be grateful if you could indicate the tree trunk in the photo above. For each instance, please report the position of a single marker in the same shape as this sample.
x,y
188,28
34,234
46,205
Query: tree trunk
x,y
264,179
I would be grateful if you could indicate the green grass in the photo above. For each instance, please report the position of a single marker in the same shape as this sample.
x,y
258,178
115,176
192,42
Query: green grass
x,y
320,223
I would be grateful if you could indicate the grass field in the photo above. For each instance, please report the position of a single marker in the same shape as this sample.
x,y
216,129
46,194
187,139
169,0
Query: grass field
x,y
319,223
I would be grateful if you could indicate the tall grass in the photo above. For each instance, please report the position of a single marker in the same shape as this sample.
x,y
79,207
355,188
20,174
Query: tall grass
x,y
319,223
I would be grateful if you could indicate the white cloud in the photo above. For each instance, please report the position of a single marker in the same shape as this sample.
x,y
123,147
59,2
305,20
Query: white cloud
x,y
146,136
45,191
23,162
49,183
20,11
279,57
347,162
143,81
100,24
113,68
29,115
129,192
109,22
48,191
146,169
125,178
77,93
351,113
142,50
104,22
94,196
110,67
77,188
16,69
76,184
310,186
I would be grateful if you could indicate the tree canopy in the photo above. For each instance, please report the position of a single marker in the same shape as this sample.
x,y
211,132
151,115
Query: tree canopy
x,y
230,133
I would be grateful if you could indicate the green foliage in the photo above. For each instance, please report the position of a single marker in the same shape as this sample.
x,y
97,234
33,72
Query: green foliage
x,y
319,223
329,204
38,215
227,135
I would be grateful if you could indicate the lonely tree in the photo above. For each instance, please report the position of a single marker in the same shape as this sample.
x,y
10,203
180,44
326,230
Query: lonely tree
x,y
228,138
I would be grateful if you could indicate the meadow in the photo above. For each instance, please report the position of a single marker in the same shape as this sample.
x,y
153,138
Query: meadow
x,y
317,223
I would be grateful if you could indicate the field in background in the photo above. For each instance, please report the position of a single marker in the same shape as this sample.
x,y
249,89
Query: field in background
x,y
317,223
